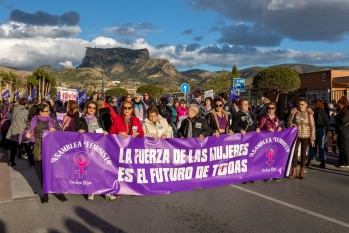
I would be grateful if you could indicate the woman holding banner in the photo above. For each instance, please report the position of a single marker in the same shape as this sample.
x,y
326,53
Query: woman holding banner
x,y
302,118
127,123
92,123
217,118
269,121
39,123
156,126
194,126
244,120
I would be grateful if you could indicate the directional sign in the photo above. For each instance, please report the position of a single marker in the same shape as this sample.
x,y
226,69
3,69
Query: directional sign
x,y
185,88
239,84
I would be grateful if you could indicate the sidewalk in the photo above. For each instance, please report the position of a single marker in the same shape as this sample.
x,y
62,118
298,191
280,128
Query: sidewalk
x,y
19,181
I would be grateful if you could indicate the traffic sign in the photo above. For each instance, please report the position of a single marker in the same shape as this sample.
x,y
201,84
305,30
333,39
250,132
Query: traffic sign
x,y
239,84
185,88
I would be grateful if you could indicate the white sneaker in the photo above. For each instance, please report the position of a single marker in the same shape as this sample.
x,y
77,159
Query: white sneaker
x,y
110,196
90,197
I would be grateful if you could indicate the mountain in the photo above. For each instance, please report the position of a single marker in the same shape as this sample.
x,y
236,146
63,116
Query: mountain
x,y
133,68
123,64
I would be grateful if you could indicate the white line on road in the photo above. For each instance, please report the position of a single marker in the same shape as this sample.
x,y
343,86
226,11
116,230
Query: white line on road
x,y
293,206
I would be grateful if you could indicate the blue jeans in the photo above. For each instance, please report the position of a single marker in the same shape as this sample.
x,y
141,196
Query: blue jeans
x,y
319,143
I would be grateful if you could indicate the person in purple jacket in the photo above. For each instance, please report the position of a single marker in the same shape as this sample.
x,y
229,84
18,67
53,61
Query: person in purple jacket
x,y
269,121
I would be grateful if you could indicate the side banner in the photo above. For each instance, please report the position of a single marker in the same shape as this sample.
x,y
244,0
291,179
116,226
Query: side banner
x,y
93,163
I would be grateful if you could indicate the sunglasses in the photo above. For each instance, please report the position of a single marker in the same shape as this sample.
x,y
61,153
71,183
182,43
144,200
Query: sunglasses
x,y
46,111
270,108
127,108
90,107
219,105
145,95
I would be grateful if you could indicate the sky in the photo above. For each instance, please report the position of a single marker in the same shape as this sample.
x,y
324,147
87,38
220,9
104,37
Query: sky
x,y
192,34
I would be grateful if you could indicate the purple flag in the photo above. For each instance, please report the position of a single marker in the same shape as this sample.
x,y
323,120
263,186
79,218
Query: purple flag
x,y
29,98
93,163
6,94
34,93
17,95
233,95
82,97
58,96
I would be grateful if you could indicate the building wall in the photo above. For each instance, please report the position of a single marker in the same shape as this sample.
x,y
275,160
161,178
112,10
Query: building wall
x,y
324,80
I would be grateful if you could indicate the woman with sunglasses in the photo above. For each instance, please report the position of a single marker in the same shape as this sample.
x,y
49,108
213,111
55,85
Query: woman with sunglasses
x,y
148,100
269,121
302,118
39,123
127,123
91,122
217,118
244,120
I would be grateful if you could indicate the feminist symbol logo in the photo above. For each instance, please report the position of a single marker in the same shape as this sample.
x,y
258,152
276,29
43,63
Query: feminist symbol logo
x,y
271,151
81,160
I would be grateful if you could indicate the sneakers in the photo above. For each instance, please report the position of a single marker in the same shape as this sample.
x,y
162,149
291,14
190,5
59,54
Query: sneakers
x,y
90,197
110,196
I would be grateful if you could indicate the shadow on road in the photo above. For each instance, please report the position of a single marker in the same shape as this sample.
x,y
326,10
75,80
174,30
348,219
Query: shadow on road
x,y
91,219
2,227
331,170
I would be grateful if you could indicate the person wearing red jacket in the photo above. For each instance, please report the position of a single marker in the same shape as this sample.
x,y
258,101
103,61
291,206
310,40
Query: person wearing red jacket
x,y
127,123
113,113
269,121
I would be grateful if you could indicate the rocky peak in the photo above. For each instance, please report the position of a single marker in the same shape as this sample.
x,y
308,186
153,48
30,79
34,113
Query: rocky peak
x,y
106,58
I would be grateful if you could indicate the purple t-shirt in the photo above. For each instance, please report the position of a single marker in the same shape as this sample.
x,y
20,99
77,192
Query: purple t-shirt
x,y
222,121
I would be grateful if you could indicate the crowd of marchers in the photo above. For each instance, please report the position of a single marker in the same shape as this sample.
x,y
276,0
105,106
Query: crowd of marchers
x,y
138,115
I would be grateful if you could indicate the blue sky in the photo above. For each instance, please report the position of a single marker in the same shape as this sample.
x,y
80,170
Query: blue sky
x,y
191,34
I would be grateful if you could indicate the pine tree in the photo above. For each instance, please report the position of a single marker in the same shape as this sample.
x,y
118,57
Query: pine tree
x,y
234,74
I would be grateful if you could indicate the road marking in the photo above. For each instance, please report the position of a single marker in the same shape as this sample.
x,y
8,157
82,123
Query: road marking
x,y
293,206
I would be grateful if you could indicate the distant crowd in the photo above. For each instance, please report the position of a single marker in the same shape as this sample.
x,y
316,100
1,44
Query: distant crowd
x,y
138,115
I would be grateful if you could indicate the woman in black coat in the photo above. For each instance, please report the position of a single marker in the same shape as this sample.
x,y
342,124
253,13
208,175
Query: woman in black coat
x,y
342,119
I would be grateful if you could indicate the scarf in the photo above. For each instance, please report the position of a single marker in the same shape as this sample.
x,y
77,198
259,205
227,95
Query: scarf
x,y
89,118
33,122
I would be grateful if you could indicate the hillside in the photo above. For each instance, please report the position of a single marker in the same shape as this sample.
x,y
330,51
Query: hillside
x,y
136,67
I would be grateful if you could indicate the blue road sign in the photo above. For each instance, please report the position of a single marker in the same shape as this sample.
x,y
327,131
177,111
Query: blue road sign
x,y
185,88
239,84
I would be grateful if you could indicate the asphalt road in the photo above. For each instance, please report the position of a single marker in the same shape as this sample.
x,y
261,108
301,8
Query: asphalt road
x,y
317,204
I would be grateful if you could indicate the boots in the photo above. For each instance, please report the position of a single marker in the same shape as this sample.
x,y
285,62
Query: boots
x,y
294,173
322,164
301,173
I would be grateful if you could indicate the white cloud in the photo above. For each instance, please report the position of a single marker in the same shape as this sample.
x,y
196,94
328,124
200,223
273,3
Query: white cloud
x,y
66,64
21,30
30,53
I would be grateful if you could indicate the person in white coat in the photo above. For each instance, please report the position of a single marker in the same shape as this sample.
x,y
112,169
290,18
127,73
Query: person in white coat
x,y
156,126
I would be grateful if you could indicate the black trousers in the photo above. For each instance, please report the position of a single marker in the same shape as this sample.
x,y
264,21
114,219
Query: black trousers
x,y
343,146
14,150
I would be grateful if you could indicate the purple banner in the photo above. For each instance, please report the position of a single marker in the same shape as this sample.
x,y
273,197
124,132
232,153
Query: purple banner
x,y
93,163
